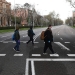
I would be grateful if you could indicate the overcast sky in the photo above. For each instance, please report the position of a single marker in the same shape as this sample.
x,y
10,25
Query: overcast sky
x,y
61,7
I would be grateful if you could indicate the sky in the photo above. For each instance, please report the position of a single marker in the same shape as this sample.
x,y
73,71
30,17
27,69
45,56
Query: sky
x,y
44,7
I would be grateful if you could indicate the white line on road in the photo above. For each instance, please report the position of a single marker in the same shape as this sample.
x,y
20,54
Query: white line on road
x,y
64,47
54,55
25,36
32,68
61,38
71,54
27,67
5,42
58,34
36,36
42,59
67,42
52,59
18,54
36,54
2,54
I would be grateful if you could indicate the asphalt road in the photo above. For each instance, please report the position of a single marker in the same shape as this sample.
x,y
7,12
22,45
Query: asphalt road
x,y
31,61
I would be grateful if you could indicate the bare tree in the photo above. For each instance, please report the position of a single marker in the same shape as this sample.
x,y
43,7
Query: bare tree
x,y
72,2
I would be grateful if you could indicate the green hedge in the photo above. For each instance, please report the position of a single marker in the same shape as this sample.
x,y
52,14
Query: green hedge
x,y
4,28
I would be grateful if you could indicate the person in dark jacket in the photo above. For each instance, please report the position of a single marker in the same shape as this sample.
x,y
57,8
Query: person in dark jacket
x,y
31,34
17,39
48,40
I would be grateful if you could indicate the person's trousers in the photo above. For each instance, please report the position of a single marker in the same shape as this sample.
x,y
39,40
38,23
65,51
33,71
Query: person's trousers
x,y
48,45
31,39
17,45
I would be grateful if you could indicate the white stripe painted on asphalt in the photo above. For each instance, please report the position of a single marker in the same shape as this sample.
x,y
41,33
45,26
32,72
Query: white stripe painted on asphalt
x,y
18,54
42,59
34,42
36,54
58,34
27,67
32,68
54,55
67,42
36,36
52,59
61,38
2,54
5,42
64,47
71,54
25,36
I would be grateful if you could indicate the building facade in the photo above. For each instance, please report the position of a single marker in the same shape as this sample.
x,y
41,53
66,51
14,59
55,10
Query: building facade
x,y
21,13
5,13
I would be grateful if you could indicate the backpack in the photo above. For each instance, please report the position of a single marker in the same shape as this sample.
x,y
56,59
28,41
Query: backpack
x,y
13,36
42,35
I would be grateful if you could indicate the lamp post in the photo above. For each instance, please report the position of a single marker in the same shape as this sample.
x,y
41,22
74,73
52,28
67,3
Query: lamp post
x,y
15,14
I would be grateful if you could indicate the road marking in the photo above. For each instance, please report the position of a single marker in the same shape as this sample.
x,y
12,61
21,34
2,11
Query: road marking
x,y
61,38
54,55
18,54
58,34
36,54
67,42
15,42
36,36
5,42
71,54
64,47
2,54
27,41
42,59
25,36
27,67
32,68
52,59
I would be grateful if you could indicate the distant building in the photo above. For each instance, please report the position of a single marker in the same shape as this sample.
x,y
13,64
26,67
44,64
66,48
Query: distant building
x,y
21,13
5,13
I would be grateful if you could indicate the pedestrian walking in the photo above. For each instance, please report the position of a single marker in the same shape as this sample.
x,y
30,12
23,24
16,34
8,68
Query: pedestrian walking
x,y
17,39
31,34
48,39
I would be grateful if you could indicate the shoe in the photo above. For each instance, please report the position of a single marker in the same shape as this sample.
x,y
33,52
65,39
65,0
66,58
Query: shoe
x,y
44,53
14,49
17,50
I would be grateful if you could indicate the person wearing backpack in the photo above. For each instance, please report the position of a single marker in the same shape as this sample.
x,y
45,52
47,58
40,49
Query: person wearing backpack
x,y
30,34
48,40
17,39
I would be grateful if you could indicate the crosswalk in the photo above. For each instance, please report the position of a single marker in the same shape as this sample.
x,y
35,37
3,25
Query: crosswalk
x,y
39,55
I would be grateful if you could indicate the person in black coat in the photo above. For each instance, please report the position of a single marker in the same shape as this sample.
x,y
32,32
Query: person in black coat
x,y
31,34
48,40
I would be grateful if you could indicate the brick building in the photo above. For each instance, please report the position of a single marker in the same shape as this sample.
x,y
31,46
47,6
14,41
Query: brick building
x,y
5,13
21,13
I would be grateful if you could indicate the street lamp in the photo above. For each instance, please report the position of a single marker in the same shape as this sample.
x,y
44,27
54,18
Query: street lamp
x,y
15,14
